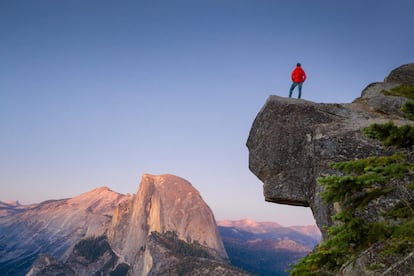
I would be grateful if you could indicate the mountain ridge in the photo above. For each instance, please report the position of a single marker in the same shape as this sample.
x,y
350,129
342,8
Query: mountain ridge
x,y
266,248
51,227
262,227
102,231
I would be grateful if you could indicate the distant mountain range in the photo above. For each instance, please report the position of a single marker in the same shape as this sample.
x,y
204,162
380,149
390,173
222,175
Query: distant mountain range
x,y
164,229
266,248
52,227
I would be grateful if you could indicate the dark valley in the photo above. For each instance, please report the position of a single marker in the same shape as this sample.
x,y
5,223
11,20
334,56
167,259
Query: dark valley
x,y
266,248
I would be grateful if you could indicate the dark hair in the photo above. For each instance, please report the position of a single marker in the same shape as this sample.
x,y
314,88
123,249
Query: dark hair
x,y
298,64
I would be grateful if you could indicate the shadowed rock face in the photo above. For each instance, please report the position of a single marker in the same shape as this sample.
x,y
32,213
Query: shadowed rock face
x,y
403,74
292,141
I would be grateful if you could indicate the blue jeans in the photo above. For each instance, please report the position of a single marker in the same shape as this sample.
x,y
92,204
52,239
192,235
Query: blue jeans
x,y
299,85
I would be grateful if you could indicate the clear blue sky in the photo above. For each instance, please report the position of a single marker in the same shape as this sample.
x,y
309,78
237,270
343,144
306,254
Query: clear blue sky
x,y
96,93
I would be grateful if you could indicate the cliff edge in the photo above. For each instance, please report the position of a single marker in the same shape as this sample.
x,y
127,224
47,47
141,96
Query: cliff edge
x,y
292,143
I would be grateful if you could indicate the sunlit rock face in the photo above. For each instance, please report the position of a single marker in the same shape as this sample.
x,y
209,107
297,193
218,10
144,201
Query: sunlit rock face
x,y
292,141
103,232
52,227
163,203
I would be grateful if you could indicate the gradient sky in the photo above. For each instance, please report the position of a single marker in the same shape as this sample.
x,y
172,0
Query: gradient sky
x,y
96,93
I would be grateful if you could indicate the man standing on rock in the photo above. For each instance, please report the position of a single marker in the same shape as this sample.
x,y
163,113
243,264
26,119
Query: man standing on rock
x,y
298,77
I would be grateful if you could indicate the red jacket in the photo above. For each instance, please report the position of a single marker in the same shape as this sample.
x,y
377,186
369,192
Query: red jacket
x,y
298,75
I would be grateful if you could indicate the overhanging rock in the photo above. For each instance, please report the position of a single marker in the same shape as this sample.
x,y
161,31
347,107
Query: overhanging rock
x,y
292,141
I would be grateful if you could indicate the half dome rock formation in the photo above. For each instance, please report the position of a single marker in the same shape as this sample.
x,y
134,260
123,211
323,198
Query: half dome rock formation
x,y
164,229
292,141
164,203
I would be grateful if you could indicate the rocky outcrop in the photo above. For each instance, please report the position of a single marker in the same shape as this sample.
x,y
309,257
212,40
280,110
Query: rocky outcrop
x,y
91,256
46,265
292,141
371,262
163,203
172,256
403,74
